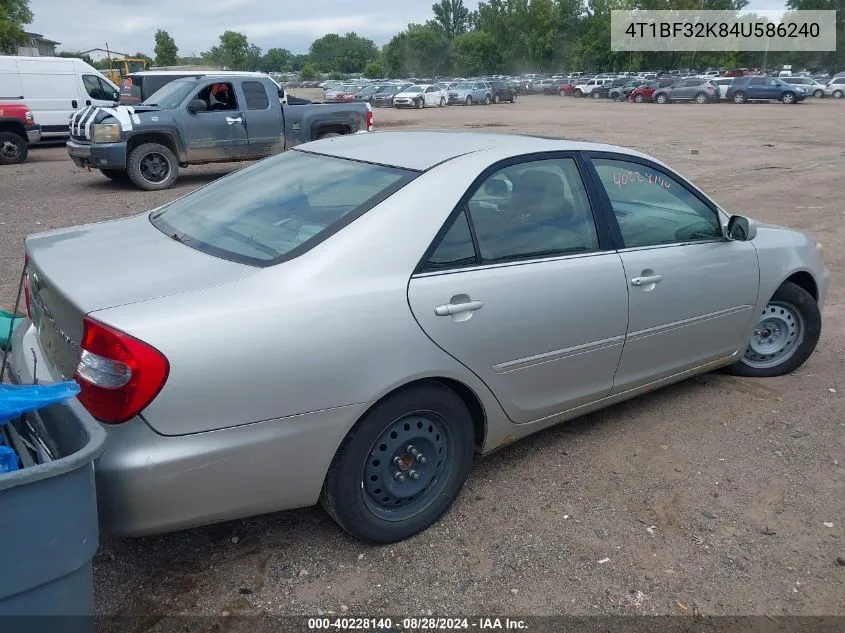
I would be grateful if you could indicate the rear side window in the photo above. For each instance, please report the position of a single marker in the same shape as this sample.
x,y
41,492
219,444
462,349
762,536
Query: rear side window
x,y
278,208
456,248
256,95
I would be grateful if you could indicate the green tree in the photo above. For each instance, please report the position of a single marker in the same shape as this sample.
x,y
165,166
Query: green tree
x,y
166,51
14,15
832,61
309,72
426,50
475,53
393,55
374,70
452,16
234,52
276,60
348,53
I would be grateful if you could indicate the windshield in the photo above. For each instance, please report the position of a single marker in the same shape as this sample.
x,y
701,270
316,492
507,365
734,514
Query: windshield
x,y
172,94
278,208
414,89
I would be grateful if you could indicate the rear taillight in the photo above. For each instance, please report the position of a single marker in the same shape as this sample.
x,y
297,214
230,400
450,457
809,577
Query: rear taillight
x,y
26,285
369,118
119,375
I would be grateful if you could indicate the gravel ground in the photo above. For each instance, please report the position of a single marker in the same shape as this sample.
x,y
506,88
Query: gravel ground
x,y
719,495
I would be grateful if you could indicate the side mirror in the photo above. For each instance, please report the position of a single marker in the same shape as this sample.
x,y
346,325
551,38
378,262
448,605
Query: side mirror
x,y
197,105
741,229
115,96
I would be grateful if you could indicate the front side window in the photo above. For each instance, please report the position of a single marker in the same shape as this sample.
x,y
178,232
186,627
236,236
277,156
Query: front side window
x,y
279,207
97,88
533,209
653,208
219,96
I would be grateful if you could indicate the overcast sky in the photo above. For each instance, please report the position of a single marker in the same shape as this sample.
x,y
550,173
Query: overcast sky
x,y
129,25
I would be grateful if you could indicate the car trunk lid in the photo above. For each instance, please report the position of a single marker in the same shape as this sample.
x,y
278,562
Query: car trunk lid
x,y
73,272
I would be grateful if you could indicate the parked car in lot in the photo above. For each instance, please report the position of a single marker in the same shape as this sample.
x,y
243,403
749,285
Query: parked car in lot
x,y
367,92
442,248
503,91
420,96
835,88
810,86
199,120
696,89
603,91
622,92
586,89
17,130
470,93
385,96
762,88
645,92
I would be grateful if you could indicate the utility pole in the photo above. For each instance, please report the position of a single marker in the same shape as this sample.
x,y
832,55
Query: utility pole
x,y
108,54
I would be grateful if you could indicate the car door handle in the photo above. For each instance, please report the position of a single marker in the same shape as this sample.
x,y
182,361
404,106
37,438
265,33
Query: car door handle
x,y
73,104
644,281
457,308
230,120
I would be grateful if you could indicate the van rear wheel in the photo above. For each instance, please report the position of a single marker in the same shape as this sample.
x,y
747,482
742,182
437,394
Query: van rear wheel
x,y
152,167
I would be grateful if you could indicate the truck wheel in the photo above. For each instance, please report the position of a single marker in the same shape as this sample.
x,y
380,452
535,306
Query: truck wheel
x,y
13,148
152,167
117,175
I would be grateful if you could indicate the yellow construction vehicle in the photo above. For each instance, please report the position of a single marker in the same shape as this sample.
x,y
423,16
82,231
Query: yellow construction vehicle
x,y
125,65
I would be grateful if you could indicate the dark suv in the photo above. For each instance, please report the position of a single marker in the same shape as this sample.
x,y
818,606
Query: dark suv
x,y
762,88
503,92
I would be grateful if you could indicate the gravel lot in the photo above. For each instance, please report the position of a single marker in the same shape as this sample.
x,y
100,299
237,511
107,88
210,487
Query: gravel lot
x,y
711,496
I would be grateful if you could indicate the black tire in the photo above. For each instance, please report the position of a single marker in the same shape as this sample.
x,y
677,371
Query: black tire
x,y
420,103
578,93
818,94
837,94
662,98
496,99
486,99
328,135
596,94
442,102
151,151
701,97
513,98
739,97
469,100
348,498
639,98
117,175
561,93
788,98
13,148
802,302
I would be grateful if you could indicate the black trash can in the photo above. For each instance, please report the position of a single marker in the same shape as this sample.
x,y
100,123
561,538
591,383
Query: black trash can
x,y
49,532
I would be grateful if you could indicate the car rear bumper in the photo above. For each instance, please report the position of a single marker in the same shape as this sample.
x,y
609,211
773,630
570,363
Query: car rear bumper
x,y
33,133
149,483
97,155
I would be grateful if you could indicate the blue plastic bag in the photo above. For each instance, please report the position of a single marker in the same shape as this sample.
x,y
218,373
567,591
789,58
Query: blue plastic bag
x,y
8,459
18,399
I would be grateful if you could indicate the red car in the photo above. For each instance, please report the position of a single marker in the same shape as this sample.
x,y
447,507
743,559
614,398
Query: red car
x,y
17,130
645,92
566,90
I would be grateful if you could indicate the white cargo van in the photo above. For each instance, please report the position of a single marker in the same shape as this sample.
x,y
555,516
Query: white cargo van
x,y
53,88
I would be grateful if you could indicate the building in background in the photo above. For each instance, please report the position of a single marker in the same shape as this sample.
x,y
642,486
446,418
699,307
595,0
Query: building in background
x,y
38,46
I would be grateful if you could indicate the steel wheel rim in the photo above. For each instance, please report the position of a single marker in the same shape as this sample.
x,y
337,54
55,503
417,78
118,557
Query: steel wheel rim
x,y
154,167
10,150
407,466
776,337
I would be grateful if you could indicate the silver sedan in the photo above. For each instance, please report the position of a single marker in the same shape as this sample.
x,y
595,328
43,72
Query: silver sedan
x,y
349,322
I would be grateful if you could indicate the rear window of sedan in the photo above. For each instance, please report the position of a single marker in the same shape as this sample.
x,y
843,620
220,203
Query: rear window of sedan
x,y
278,208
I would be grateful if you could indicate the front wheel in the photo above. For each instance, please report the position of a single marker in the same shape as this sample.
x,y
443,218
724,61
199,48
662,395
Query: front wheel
x,y
701,98
596,95
739,97
578,94
818,94
788,98
152,167
639,98
486,99
785,335
402,466
837,94
513,98
420,104
496,99
662,98
13,148
442,101
469,101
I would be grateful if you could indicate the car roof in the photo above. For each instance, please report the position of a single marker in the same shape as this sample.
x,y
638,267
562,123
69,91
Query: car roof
x,y
431,148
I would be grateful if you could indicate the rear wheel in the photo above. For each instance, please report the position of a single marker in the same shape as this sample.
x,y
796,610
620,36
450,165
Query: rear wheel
x,y
561,93
13,148
442,101
787,98
469,100
837,94
117,175
578,93
420,103
496,99
639,98
596,94
152,167
513,98
739,97
818,93
486,99
701,98
785,335
402,466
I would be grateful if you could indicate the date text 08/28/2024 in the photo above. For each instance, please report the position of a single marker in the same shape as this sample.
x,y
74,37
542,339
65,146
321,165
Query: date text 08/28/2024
x,y
386,625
